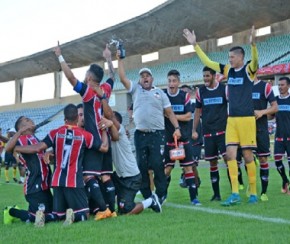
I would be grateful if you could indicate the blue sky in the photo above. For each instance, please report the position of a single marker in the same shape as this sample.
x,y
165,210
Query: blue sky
x,y
30,26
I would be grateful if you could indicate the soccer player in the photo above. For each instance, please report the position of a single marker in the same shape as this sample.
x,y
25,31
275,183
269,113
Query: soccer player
x,y
93,159
181,106
241,124
68,143
150,105
127,177
262,95
37,186
211,102
282,135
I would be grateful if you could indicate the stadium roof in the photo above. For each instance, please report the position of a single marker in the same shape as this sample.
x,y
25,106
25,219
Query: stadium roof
x,y
159,28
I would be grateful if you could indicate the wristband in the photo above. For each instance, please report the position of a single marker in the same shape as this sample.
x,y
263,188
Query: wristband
x,y
177,128
61,59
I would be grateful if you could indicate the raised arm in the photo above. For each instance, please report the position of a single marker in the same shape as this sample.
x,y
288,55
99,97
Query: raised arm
x,y
65,68
30,149
121,71
191,38
253,65
108,56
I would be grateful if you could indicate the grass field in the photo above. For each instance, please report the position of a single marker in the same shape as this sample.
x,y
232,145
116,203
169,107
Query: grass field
x,y
180,222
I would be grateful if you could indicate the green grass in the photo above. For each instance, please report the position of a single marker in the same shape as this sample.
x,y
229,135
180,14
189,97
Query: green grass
x,y
188,224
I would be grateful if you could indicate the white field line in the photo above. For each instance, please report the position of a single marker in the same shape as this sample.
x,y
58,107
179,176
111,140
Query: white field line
x,y
230,213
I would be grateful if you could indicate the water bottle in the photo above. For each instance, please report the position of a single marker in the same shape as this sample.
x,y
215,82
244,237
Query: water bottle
x,y
122,50
41,207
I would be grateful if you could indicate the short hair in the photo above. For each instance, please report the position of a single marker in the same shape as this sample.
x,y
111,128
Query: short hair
x,y
211,71
97,72
18,122
238,50
118,117
70,112
174,72
80,105
285,78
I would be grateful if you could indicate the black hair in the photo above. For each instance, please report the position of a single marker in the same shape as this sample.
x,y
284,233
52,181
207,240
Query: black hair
x,y
70,112
285,78
238,50
17,123
80,105
174,72
97,72
118,117
211,71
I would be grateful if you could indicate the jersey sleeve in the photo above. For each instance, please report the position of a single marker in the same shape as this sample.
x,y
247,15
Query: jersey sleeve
x,y
252,66
198,102
269,94
165,100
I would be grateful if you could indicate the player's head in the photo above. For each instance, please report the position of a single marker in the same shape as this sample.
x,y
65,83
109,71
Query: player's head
x,y
23,121
236,57
146,78
71,114
284,85
94,74
208,76
118,116
81,122
173,78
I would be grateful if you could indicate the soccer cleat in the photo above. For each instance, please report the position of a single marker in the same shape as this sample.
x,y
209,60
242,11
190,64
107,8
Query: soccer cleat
x,y
215,198
195,202
155,205
253,199
241,187
103,214
69,217
15,180
264,197
162,200
7,218
39,219
233,199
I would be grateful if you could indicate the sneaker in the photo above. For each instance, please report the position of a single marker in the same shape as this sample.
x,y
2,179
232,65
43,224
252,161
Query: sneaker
x,y
285,189
69,217
253,199
15,180
39,219
7,218
195,202
241,187
215,198
103,214
155,205
264,197
233,199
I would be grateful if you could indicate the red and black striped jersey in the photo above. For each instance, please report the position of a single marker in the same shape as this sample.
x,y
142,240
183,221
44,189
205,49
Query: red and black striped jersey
x,y
69,143
93,106
38,173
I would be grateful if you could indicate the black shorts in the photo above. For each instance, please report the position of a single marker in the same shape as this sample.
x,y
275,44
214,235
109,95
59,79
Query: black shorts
x,y
34,199
213,146
126,190
280,147
93,162
10,160
65,197
107,167
263,144
187,161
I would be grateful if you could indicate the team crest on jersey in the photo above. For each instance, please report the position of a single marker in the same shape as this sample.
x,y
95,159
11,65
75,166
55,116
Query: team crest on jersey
x,y
157,95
